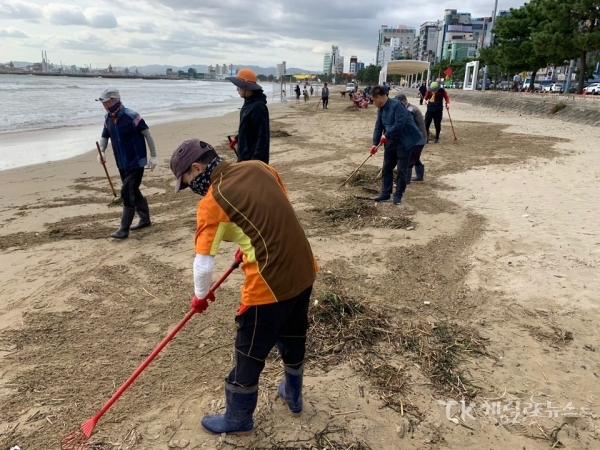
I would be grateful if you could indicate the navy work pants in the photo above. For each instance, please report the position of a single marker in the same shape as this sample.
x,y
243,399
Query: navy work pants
x,y
130,190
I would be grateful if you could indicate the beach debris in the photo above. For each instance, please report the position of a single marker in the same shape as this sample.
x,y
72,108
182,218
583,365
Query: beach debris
x,y
280,133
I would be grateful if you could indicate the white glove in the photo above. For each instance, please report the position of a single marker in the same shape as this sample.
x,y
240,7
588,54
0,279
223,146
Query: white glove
x,y
152,163
103,159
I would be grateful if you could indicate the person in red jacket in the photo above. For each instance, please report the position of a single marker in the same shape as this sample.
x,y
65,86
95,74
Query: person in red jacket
x,y
435,97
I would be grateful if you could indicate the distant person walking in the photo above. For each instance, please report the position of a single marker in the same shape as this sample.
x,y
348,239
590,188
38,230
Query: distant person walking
x,y
283,97
128,135
435,97
305,94
415,152
516,82
325,96
311,91
254,135
297,91
422,92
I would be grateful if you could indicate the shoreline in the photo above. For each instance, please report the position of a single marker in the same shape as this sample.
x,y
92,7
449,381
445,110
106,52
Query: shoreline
x,y
69,140
32,182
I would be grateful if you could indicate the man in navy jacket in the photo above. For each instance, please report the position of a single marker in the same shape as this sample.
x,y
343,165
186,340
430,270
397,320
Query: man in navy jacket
x,y
396,129
128,134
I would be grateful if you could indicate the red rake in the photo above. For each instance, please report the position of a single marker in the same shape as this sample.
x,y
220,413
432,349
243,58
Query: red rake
x,y
76,440
453,132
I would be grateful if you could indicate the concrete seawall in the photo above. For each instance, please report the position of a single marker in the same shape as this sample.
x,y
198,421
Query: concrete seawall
x,y
578,109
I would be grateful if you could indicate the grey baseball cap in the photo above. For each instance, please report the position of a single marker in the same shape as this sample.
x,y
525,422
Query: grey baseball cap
x,y
108,93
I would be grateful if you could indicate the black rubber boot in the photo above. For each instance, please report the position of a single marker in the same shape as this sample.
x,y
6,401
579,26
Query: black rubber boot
x,y
408,175
420,171
290,388
126,219
141,207
240,405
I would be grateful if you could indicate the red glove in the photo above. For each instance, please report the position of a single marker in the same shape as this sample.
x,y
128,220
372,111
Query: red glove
x,y
239,255
232,143
199,305
383,139
373,150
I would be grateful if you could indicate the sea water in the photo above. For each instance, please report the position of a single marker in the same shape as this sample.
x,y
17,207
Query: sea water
x,y
49,118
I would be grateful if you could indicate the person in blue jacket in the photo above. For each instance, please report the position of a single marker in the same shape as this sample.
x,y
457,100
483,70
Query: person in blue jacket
x,y
128,135
254,136
396,130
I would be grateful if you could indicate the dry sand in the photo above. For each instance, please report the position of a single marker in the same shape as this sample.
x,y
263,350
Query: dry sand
x,y
483,287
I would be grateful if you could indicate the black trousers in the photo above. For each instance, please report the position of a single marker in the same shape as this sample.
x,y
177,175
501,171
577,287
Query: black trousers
x,y
436,116
262,327
394,156
130,190
415,156
325,102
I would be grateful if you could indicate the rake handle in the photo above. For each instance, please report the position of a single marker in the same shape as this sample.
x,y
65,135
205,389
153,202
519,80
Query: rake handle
x,y
451,124
358,168
163,343
105,169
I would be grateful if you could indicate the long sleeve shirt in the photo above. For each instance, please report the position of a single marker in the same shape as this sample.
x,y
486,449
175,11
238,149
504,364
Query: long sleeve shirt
x,y
435,99
396,122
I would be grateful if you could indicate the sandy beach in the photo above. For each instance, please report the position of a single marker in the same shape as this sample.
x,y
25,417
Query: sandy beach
x,y
482,288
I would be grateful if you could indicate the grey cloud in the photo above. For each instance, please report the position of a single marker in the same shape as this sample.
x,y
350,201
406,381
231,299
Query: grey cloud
x,y
19,10
138,27
101,19
351,23
12,33
65,15
62,14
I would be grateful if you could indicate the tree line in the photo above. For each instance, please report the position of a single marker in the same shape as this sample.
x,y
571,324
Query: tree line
x,y
536,35
546,32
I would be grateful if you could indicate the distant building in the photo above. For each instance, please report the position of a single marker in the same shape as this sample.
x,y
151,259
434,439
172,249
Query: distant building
x,y
281,70
352,67
404,38
327,64
426,43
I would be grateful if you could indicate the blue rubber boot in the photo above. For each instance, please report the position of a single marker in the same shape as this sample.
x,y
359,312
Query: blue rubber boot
x,y
240,405
290,388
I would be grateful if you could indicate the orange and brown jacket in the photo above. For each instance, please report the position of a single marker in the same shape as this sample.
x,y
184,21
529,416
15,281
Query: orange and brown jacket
x,y
247,204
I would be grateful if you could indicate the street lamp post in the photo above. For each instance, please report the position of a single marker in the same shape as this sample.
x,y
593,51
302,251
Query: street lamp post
x,y
487,44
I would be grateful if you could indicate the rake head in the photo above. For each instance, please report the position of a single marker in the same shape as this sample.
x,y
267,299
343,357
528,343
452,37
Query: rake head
x,y
76,440
117,201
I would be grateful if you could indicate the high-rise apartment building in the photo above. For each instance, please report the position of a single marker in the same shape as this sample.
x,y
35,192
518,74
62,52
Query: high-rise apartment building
x,y
455,40
404,36
353,61
333,63
427,41
327,64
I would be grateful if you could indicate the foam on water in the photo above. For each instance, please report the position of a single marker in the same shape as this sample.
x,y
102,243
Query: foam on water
x,y
62,119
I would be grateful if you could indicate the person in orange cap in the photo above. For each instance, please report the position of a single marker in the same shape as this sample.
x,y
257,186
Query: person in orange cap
x,y
253,138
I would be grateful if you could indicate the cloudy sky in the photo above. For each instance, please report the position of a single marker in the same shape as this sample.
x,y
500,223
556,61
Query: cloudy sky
x,y
180,32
